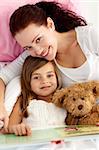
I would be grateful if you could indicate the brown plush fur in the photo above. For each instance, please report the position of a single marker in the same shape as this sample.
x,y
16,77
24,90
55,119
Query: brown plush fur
x,y
80,102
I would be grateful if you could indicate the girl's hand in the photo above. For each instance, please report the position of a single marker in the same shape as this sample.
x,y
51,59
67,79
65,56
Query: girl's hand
x,y
20,129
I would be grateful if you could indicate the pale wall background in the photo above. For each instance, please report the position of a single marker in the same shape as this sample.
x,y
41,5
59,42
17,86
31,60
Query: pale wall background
x,y
88,9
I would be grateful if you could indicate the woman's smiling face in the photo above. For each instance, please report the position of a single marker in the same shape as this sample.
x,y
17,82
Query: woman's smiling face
x,y
39,40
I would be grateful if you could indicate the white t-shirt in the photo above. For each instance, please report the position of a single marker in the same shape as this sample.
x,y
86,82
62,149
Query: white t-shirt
x,y
44,115
71,75
88,39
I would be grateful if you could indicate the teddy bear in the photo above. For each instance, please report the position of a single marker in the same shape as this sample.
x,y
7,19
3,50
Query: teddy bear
x,y
80,101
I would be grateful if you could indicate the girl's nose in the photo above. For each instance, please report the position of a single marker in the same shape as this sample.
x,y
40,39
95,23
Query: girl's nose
x,y
44,80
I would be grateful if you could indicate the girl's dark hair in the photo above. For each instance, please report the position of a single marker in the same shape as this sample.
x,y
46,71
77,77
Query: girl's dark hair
x,y
64,19
30,65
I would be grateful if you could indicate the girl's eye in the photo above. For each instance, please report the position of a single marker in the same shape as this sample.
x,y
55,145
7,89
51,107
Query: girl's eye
x,y
50,75
35,78
38,40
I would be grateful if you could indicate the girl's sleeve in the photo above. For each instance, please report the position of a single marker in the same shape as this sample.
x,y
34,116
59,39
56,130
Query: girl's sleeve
x,y
13,69
93,40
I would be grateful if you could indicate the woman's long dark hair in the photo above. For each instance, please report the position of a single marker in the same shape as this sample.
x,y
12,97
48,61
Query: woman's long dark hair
x,y
64,19
30,65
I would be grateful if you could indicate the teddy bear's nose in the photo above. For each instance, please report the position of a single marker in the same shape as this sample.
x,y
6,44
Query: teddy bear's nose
x,y
80,107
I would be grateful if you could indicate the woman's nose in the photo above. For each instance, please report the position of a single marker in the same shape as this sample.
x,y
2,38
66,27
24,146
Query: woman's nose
x,y
38,50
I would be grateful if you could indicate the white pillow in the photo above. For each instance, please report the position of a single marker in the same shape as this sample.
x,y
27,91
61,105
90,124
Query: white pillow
x,y
13,90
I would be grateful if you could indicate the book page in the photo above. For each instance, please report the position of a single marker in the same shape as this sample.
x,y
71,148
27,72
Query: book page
x,y
67,133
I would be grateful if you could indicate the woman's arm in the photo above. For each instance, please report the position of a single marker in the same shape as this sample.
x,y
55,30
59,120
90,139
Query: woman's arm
x,y
13,69
3,113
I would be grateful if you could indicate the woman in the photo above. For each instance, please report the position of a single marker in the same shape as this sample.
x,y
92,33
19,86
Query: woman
x,y
47,30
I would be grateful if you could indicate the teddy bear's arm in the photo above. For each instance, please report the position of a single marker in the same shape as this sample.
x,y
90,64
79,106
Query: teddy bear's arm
x,y
58,97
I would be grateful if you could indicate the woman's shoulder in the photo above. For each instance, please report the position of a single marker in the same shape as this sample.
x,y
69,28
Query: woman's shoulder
x,y
85,29
88,32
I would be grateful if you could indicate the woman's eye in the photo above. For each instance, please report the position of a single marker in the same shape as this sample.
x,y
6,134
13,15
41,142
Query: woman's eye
x,y
38,40
28,48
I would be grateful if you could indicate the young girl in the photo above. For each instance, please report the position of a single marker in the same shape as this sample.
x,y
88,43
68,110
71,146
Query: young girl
x,y
34,109
47,30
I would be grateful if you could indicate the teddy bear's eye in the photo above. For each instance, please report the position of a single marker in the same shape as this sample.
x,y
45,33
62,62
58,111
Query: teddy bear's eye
x,y
82,98
74,99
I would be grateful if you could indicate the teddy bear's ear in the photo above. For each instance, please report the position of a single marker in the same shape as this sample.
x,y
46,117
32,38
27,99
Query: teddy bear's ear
x,y
59,96
95,89
93,86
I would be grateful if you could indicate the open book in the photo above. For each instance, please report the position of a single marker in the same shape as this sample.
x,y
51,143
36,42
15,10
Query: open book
x,y
67,133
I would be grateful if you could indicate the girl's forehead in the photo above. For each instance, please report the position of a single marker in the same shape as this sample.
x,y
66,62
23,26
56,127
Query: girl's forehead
x,y
48,67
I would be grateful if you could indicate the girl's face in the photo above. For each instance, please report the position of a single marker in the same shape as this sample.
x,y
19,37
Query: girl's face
x,y
43,80
39,40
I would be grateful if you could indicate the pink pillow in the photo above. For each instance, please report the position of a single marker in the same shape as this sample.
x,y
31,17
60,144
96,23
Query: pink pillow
x,y
9,49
